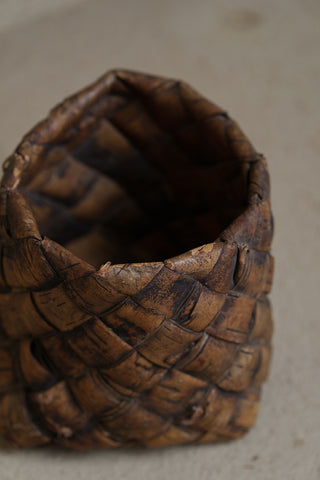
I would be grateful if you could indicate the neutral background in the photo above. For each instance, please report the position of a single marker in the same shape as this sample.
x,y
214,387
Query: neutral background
x,y
260,60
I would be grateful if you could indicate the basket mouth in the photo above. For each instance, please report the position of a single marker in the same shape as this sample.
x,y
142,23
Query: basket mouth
x,y
139,169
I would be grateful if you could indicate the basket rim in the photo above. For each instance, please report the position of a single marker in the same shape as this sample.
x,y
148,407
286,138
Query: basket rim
x,y
18,165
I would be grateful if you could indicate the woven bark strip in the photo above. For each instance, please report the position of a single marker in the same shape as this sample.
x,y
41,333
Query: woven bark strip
x,y
135,232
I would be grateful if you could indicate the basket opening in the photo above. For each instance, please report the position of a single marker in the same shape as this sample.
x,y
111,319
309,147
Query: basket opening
x,y
125,193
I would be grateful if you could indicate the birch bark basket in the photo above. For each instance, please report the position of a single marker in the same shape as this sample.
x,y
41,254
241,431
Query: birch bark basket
x,y
135,236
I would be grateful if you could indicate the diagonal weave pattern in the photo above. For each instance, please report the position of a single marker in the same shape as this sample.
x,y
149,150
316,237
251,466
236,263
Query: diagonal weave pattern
x,y
135,351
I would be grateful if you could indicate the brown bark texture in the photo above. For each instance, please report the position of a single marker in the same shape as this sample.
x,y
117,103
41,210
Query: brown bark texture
x,y
135,233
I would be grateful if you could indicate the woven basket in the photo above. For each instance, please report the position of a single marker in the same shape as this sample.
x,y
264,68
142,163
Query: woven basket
x,y
169,341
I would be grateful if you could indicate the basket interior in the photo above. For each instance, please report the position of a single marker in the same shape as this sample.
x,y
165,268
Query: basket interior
x,y
137,185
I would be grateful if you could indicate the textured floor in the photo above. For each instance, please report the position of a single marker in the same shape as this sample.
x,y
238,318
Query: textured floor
x,y
260,61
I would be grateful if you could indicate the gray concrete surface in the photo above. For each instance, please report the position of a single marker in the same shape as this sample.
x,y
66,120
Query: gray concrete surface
x,y
260,60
